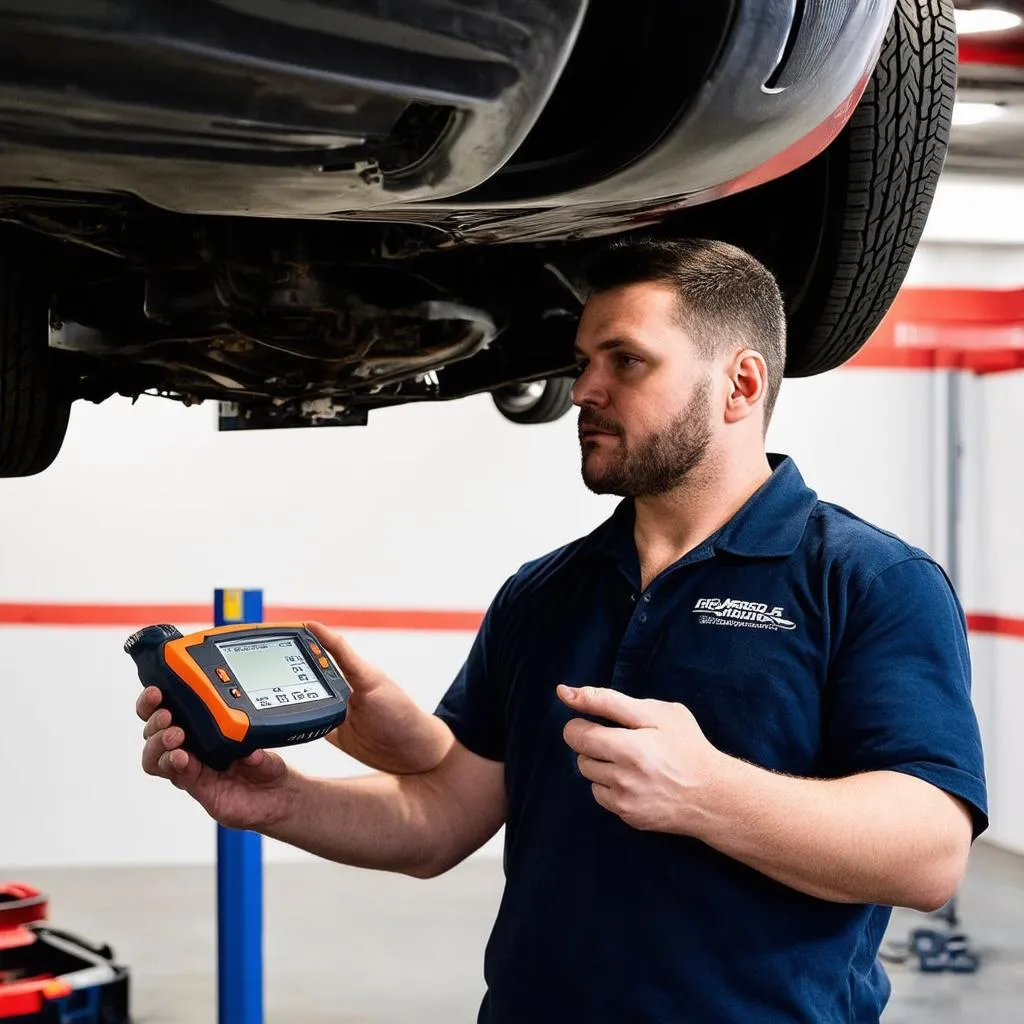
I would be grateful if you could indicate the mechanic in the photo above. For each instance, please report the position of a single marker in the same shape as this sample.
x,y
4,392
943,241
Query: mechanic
x,y
726,731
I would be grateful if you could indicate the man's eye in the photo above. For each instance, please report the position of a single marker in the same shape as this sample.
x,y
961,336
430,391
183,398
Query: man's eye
x,y
580,367
627,360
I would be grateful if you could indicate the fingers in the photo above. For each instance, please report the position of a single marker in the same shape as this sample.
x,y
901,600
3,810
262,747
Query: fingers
x,y
261,767
158,743
180,767
162,754
602,773
358,672
599,742
147,702
337,645
610,704
163,757
158,720
605,796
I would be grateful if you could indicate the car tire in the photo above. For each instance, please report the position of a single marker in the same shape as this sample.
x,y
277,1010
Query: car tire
x,y
538,402
839,233
885,167
34,404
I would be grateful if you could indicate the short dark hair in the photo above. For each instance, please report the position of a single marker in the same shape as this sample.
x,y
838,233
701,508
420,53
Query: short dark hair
x,y
726,296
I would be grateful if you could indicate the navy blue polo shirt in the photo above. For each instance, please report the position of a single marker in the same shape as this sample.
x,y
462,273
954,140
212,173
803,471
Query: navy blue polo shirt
x,y
803,640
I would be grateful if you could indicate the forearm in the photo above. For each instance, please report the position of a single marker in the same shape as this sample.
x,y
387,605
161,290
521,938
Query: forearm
x,y
376,821
879,837
420,824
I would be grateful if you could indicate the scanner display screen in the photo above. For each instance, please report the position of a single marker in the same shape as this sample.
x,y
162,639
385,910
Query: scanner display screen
x,y
273,672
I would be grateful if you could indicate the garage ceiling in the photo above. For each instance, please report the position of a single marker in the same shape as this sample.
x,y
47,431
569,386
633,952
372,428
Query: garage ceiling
x,y
988,130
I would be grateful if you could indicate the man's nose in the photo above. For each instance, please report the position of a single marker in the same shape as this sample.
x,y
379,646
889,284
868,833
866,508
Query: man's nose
x,y
588,389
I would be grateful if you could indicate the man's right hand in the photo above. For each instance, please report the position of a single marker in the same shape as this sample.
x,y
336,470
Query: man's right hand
x,y
252,794
384,728
420,821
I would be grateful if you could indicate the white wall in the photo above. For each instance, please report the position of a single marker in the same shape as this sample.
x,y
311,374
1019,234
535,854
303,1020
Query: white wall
x,y
976,210
137,510
993,545
975,241
425,508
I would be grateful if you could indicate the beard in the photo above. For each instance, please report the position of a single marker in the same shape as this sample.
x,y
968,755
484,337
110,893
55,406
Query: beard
x,y
655,464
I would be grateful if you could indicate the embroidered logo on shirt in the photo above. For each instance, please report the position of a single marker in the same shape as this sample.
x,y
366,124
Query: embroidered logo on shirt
x,y
718,611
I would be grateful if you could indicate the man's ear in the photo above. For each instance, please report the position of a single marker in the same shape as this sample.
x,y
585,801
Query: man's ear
x,y
748,385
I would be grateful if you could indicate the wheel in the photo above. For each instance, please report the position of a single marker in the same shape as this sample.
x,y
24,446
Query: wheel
x,y
34,405
839,233
542,401
884,169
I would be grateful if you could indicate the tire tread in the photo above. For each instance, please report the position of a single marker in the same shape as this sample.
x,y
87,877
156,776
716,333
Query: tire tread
x,y
897,141
33,411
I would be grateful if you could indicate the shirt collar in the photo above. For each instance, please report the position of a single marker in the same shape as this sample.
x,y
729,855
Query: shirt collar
x,y
770,524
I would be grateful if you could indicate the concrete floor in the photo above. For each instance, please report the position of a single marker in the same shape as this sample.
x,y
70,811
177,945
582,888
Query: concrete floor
x,y
346,946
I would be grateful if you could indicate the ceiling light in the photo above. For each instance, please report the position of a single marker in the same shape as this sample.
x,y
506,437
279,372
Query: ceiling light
x,y
985,19
975,113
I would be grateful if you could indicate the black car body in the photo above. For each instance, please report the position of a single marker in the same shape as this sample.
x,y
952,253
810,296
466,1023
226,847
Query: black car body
x,y
313,208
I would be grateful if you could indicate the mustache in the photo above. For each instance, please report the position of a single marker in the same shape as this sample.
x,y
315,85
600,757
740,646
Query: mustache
x,y
589,418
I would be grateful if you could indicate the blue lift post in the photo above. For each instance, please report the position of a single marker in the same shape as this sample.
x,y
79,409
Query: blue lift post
x,y
239,875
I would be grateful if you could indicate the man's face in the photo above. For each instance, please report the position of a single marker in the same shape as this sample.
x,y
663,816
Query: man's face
x,y
645,396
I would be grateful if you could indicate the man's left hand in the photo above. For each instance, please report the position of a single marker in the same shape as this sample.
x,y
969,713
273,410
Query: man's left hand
x,y
656,772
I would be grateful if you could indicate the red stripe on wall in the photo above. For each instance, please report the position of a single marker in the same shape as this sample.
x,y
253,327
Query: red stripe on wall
x,y
132,616
1004,54
994,306
874,356
976,329
1000,625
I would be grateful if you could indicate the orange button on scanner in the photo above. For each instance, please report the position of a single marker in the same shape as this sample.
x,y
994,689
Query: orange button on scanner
x,y
324,663
222,674
235,691
316,650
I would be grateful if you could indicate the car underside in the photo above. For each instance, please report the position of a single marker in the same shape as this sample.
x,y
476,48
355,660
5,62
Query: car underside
x,y
311,210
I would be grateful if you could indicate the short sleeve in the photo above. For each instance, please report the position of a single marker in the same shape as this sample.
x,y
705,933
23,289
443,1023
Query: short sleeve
x,y
899,693
474,705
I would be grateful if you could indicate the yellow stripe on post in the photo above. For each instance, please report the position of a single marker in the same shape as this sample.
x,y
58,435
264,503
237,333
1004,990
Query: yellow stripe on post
x,y
233,606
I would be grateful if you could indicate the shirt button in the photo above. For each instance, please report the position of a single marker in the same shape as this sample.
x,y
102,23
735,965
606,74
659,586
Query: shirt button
x,y
647,597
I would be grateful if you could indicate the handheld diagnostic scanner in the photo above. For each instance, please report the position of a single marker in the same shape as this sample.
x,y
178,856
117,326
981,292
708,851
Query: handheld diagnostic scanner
x,y
236,689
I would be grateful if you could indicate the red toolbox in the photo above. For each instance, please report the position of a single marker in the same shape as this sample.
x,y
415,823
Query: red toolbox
x,y
50,977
